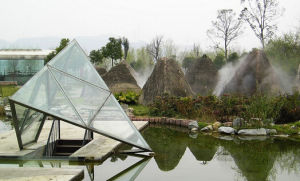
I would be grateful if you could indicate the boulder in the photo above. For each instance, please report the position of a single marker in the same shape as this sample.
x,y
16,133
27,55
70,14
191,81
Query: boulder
x,y
207,128
216,125
271,131
226,130
193,124
253,132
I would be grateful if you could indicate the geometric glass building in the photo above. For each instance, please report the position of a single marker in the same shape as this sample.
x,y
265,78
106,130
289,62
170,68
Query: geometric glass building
x,y
69,88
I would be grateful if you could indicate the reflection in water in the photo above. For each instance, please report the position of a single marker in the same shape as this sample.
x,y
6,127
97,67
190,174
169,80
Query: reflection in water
x,y
168,145
179,156
130,173
255,159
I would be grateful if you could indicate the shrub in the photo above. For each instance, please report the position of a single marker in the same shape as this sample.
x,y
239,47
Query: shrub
x,y
127,97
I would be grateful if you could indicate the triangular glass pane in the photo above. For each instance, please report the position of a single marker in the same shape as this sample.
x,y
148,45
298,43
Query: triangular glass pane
x,y
43,93
74,61
86,98
30,124
112,121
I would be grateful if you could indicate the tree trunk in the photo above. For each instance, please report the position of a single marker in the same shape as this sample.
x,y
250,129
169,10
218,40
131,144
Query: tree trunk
x,y
112,63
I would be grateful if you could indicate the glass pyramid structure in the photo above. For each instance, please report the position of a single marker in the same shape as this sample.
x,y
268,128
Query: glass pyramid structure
x,y
70,89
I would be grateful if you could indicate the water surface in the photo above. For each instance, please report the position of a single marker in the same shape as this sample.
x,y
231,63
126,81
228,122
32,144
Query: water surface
x,y
182,156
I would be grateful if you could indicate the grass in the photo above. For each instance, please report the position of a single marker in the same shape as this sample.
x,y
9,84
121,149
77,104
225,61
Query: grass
x,y
140,110
202,124
8,90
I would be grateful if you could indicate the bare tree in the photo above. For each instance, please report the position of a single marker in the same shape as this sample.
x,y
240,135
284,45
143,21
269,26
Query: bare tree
x,y
260,15
169,49
226,28
154,48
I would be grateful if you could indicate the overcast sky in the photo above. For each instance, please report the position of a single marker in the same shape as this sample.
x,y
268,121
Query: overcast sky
x,y
184,21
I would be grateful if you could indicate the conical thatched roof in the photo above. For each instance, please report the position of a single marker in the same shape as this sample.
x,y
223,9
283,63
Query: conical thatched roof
x,y
167,77
101,71
120,78
202,75
255,74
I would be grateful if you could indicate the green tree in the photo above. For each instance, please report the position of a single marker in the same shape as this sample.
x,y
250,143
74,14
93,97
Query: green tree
x,y
125,44
113,49
285,52
96,56
187,62
233,57
219,60
63,43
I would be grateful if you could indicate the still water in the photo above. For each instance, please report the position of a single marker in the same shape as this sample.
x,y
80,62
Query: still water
x,y
182,156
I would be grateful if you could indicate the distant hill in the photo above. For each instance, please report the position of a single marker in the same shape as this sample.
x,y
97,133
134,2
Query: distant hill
x,y
88,43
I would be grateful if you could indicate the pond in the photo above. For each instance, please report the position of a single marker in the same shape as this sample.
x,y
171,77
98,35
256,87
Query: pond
x,y
180,155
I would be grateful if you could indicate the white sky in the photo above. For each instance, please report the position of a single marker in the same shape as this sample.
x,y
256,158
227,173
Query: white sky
x,y
184,21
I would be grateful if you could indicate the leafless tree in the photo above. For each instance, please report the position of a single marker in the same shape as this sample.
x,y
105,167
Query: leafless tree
x,y
169,49
260,15
226,28
154,48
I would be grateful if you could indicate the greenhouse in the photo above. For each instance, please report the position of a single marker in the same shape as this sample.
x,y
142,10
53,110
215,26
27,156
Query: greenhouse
x,y
69,89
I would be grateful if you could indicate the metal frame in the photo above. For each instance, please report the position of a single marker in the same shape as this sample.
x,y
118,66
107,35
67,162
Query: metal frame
x,y
73,123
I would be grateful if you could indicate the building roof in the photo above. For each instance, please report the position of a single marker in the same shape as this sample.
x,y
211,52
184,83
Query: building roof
x,y
27,54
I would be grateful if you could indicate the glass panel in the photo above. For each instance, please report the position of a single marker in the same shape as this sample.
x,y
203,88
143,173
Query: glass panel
x,y
86,98
65,86
29,123
112,120
44,94
74,61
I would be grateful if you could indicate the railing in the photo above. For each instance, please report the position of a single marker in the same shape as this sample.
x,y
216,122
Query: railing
x,y
54,135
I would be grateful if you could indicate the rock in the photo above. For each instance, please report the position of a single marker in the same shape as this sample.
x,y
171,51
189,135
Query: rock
x,y
193,124
271,131
293,127
216,125
237,122
254,132
226,130
130,110
194,129
227,124
207,128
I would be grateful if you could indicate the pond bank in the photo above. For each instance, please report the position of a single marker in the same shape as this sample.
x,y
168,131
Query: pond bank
x,y
227,127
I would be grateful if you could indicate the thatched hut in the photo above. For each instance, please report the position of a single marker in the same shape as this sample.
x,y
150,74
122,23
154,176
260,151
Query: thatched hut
x,y
120,78
202,75
255,74
167,77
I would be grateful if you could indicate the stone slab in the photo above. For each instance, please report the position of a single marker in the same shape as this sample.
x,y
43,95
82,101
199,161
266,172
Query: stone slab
x,y
101,147
40,174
